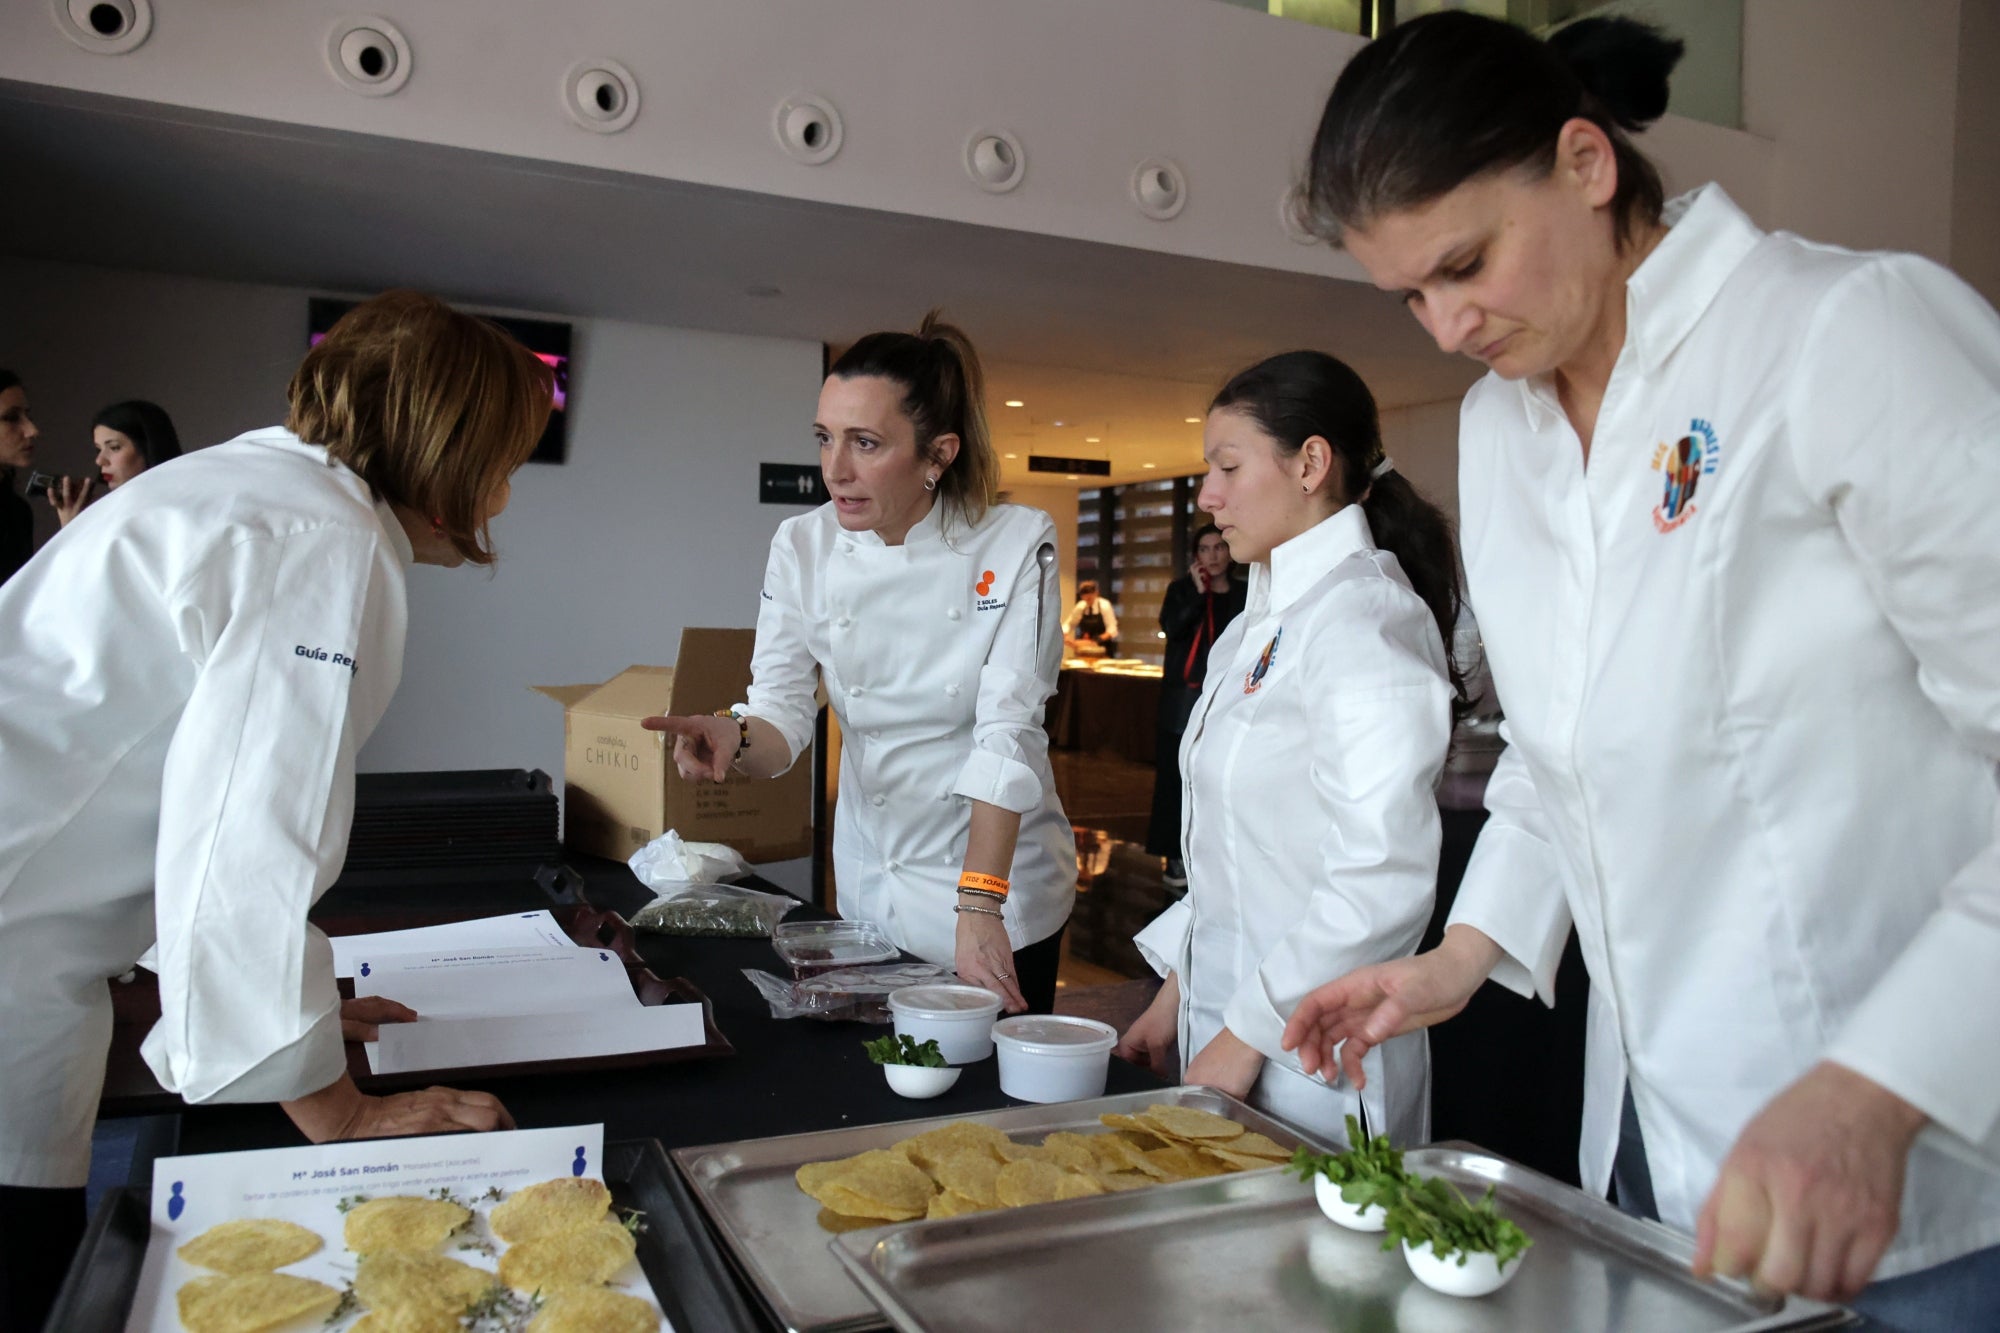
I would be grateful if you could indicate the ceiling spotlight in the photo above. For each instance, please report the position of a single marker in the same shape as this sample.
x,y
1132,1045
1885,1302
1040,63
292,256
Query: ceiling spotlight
x,y
1192,421
1057,423
1090,439
1072,477
1015,402
1013,455
1149,465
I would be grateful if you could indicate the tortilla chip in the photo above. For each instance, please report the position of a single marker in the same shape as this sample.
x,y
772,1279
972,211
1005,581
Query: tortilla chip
x,y
1179,1162
1069,1150
1078,1185
1115,1152
972,1173
568,1203
1253,1144
409,1319
587,1257
402,1223
925,1150
952,1204
250,1245
595,1310
836,1223
1021,1152
1189,1122
843,1200
877,1183
1236,1161
1117,1182
251,1302
391,1279
1029,1181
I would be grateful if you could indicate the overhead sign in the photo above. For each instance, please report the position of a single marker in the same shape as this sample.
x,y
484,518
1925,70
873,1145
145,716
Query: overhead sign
x,y
1089,467
790,484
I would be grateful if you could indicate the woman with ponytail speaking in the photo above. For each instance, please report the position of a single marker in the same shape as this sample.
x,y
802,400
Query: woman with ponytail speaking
x,y
1310,830
1731,530
930,614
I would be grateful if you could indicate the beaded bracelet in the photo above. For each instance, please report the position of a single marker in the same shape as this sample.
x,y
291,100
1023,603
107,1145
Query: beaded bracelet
x,y
981,911
983,893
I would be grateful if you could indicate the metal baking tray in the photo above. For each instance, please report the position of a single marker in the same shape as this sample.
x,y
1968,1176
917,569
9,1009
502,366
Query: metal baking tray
x,y
1253,1252
772,1229
689,1275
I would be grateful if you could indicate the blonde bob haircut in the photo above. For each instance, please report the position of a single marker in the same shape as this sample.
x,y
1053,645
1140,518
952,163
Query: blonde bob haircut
x,y
431,407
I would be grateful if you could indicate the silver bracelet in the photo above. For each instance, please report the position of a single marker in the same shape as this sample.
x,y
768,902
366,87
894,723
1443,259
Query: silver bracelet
x,y
982,911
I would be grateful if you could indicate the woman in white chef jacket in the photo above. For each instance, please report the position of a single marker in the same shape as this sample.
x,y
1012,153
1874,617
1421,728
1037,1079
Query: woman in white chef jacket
x,y
1749,655
929,612
1310,828
184,680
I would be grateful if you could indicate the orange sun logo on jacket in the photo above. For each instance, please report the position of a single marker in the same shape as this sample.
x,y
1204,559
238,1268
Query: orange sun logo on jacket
x,y
985,584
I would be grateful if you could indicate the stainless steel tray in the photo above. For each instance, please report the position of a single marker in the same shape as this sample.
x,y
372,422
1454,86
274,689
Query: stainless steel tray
x,y
773,1232
1253,1252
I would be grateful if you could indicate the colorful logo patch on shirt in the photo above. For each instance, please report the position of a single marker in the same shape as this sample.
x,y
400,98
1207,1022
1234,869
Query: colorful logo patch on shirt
x,y
1254,680
1681,466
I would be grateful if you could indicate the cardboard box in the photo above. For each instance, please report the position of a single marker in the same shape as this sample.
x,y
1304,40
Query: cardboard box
x,y
620,787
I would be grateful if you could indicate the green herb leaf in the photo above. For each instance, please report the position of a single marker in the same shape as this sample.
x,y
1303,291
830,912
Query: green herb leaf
x,y
1431,1211
1369,1173
900,1050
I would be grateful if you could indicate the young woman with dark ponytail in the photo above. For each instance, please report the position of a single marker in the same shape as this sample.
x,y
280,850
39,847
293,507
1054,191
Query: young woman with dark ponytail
x,y
930,613
1730,510
1311,831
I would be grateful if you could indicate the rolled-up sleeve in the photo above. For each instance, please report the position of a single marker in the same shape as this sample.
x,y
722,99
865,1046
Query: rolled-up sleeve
x,y
784,675
1378,727
1164,941
1898,432
256,803
1513,889
1015,683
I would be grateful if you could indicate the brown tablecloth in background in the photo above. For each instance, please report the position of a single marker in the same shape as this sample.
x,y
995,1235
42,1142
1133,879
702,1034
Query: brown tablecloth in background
x,y
1096,710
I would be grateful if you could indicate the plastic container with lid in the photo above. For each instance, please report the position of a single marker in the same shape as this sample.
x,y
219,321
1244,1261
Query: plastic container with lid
x,y
1053,1057
812,947
959,1018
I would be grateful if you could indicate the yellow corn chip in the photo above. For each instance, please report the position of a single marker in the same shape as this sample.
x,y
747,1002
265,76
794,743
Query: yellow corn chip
x,y
567,1203
388,1279
250,1245
1257,1145
401,1223
829,1220
251,1302
1114,1152
1021,1152
1117,1182
1179,1162
973,1173
1069,1150
409,1319
1078,1185
1235,1161
878,1183
843,1200
1029,1181
926,1149
595,1310
952,1204
1189,1122
587,1257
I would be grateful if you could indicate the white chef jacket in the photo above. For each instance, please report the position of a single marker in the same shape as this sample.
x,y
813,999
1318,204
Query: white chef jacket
x,y
185,675
938,657
1750,659
1309,823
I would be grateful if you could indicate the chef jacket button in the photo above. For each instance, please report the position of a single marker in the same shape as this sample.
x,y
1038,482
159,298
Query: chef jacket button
x,y
874,735
894,866
856,692
878,800
952,614
844,621
951,691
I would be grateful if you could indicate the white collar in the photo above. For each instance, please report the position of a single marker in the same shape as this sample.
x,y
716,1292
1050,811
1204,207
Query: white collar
x,y
1295,567
279,437
1707,237
926,531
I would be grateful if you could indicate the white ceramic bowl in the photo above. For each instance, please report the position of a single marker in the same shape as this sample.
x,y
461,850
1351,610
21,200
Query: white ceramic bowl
x,y
920,1080
1480,1275
1053,1057
958,1018
1372,1218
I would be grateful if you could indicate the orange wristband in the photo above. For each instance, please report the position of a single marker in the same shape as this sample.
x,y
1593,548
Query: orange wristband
x,y
983,883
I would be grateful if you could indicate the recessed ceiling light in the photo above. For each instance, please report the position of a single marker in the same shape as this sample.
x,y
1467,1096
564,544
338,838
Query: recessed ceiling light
x,y
1015,402
1073,477
1090,439
1192,421
1057,423
1013,455
1149,465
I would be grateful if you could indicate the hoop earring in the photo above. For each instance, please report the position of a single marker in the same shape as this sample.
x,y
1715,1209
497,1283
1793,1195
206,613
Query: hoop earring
x,y
930,483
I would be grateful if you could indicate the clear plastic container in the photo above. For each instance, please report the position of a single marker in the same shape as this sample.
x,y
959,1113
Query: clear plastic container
x,y
1053,1057
958,1018
812,947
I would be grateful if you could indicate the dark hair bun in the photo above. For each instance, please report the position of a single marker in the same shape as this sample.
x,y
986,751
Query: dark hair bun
x,y
1624,64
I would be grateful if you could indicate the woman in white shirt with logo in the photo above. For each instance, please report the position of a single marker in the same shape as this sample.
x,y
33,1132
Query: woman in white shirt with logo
x,y
1732,528
1310,828
928,611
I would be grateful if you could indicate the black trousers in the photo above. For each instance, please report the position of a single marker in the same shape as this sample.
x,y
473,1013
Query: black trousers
x,y
1035,972
1163,830
39,1232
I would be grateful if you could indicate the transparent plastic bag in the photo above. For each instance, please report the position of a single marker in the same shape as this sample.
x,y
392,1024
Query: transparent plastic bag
x,y
716,910
860,994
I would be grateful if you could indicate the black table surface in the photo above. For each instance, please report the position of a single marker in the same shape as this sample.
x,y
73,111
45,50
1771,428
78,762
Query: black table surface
x,y
789,1076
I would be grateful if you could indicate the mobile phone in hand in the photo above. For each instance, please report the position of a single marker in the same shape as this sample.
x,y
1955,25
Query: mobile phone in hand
x,y
39,484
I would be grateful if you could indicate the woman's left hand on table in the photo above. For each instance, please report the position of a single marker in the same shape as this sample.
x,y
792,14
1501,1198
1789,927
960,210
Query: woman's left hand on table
x,y
985,957
359,1017
1227,1064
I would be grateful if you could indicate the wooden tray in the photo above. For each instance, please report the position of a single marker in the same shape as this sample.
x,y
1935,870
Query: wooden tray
x,y
131,1089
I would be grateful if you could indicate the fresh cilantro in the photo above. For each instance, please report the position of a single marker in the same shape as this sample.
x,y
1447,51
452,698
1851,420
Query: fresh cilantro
x,y
351,1202
1368,1174
1433,1210
898,1049
349,1303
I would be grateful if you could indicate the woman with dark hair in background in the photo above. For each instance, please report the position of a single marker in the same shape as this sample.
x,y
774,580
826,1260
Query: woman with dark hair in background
x,y
130,437
18,433
1312,827
928,612
1197,607
1732,529
184,683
